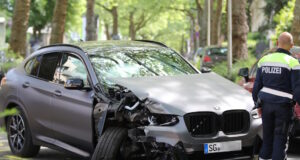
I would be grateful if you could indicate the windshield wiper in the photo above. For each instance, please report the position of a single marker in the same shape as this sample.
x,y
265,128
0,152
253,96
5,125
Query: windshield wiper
x,y
173,66
142,64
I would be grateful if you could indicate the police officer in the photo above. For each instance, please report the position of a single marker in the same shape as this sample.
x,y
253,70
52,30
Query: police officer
x,y
296,52
275,82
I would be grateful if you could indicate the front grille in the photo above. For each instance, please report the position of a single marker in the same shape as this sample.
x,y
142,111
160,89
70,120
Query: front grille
x,y
235,122
202,124
207,124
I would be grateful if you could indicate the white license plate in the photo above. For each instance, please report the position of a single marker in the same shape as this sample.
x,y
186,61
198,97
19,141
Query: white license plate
x,y
222,147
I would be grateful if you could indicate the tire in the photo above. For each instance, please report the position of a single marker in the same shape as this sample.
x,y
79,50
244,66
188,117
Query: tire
x,y
109,144
19,136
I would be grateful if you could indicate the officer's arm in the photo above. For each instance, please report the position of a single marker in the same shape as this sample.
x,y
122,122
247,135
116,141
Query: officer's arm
x,y
257,85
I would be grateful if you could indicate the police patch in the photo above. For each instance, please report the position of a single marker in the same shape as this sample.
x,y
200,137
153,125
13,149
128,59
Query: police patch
x,y
271,70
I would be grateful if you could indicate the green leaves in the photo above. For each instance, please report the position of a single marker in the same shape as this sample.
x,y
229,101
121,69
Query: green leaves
x,y
284,18
9,112
75,11
40,14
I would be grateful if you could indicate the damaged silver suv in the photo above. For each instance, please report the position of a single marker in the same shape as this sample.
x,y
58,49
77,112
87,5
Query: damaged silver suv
x,y
124,100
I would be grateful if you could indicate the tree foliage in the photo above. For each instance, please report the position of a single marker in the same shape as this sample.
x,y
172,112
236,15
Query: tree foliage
x,y
75,11
6,8
284,18
40,14
274,7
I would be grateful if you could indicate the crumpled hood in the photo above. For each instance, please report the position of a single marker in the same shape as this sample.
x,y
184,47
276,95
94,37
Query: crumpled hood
x,y
189,93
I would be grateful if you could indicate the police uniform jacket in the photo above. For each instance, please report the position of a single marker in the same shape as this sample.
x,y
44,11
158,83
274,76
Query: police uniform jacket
x,y
277,78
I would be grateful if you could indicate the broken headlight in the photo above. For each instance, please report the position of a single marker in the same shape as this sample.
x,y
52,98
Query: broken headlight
x,y
162,120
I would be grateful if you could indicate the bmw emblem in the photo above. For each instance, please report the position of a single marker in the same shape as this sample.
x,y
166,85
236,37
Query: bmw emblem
x,y
217,108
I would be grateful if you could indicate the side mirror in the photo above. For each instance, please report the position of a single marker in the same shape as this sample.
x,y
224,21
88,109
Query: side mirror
x,y
205,70
74,83
244,72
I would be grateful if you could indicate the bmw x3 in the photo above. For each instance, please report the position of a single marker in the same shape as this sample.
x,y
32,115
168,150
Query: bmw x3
x,y
124,100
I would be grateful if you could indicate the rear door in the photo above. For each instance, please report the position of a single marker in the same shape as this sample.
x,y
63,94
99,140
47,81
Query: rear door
x,y
37,91
72,109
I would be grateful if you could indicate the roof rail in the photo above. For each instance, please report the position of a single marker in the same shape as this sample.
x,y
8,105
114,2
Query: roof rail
x,y
60,44
154,42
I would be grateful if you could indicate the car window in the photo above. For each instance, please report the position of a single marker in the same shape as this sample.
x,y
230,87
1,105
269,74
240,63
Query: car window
x,y
48,66
28,65
218,51
72,67
32,66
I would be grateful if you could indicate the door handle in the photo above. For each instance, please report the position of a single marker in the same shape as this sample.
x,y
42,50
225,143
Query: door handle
x,y
57,93
26,85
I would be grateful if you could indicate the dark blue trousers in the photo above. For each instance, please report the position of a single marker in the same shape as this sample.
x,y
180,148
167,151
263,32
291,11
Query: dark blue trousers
x,y
276,120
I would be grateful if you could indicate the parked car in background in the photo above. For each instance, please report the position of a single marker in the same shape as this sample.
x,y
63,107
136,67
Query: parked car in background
x,y
248,81
124,100
211,55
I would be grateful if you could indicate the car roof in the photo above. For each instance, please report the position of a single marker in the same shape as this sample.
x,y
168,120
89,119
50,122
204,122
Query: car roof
x,y
107,44
92,45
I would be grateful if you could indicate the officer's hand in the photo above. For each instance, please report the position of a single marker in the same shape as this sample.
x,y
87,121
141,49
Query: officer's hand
x,y
259,111
256,112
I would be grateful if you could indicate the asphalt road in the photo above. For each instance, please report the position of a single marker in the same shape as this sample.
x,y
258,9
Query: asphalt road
x,y
49,154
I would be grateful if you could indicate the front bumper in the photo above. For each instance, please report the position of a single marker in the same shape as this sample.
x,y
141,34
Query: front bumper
x,y
173,135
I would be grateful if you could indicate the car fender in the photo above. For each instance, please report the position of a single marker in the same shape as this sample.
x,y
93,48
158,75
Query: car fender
x,y
15,100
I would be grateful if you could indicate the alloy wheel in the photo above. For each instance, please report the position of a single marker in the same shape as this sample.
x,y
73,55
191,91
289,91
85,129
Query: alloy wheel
x,y
16,132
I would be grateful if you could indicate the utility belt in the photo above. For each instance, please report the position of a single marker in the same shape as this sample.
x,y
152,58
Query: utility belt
x,y
278,93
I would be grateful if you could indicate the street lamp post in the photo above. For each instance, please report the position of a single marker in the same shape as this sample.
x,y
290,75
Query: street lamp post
x,y
208,22
229,54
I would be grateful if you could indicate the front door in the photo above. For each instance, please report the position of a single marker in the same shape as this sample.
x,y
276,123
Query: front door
x,y
73,108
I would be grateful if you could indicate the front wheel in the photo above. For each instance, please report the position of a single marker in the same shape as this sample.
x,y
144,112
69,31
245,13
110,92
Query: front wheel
x,y
115,144
109,144
19,136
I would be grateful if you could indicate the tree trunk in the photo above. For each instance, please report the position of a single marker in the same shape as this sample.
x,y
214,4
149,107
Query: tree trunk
x,y
115,34
296,23
19,27
216,24
91,33
239,29
58,21
192,36
212,20
106,25
182,45
203,25
132,31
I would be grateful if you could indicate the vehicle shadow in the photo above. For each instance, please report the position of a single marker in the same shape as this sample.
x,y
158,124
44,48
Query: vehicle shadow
x,y
46,153
294,146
